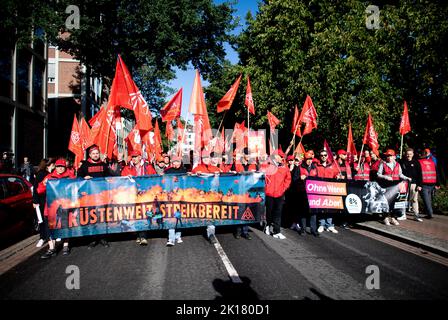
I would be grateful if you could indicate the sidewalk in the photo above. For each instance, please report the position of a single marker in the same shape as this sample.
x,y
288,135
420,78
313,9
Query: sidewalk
x,y
431,234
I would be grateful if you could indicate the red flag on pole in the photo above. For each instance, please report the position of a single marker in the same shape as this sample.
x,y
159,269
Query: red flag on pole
x,y
249,102
226,101
295,123
371,136
330,154
105,139
157,139
308,116
135,100
85,133
172,109
134,141
405,125
273,121
75,143
351,149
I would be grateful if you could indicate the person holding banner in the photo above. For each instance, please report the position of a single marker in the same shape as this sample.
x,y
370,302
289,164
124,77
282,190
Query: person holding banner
x,y
138,167
45,167
278,179
93,167
326,169
390,170
59,172
307,169
344,166
374,164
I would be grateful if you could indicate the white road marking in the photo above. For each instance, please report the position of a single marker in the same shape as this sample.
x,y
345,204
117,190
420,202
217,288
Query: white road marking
x,y
229,266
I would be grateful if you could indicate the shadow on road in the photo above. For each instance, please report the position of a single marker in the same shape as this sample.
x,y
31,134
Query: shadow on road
x,y
234,291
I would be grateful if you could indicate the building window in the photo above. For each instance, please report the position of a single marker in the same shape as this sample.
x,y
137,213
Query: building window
x,y
23,76
5,72
38,78
51,72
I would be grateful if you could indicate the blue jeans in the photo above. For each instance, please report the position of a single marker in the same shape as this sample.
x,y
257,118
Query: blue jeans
x,y
327,223
427,198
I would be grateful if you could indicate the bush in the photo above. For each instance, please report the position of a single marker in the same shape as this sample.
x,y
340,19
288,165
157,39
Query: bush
x,y
440,204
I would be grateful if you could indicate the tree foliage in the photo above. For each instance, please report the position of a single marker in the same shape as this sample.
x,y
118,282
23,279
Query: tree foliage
x,y
153,36
292,48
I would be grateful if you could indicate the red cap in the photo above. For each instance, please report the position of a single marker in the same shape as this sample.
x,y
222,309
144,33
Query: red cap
x,y
60,163
341,152
427,151
290,158
136,153
309,155
311,151
389,152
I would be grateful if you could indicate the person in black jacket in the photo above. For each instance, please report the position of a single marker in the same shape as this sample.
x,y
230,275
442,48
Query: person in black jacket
x,y
411,168
93,167
45,166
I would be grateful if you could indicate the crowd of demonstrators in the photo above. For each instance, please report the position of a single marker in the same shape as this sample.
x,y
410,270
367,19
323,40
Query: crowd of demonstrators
x,y
285,185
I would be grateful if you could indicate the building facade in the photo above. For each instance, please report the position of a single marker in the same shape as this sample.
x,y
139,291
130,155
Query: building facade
x,y
23,101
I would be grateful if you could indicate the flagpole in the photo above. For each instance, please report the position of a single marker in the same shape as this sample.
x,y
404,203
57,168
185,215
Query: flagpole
x,y
401,146
360,155
293,139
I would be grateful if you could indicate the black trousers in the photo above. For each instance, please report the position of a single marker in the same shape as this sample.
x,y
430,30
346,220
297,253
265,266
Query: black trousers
x,y
274,207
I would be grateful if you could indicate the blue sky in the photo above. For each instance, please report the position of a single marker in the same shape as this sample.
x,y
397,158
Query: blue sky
x,y
185,78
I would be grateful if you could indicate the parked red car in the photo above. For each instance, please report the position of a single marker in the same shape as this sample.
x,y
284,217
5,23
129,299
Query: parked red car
x,y
17,215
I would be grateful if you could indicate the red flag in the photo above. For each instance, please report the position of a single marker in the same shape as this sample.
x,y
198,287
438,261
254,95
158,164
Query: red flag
x,y
295,123
172,109
203,133
125,93
105,137
180,137
249,102
371,136
85,133
75,143
169,131
134,140
240,134
330,154
308,116
299,149
226,101
273,121
351,149
405,125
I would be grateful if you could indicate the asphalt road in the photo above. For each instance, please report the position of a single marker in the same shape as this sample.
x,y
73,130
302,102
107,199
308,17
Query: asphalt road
x,y
300,267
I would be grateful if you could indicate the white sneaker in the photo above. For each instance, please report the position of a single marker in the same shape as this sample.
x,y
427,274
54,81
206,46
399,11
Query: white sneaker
x,y
403,217
386,221
170,243
332,229
58,240
395,222
419,219
266,230
40,243
279,236
320,229
179,240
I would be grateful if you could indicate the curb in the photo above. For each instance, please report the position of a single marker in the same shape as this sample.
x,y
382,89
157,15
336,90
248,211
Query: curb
x,y
428,247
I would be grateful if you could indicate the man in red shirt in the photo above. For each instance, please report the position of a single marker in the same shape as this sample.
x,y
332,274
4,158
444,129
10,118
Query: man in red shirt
x,y
278,179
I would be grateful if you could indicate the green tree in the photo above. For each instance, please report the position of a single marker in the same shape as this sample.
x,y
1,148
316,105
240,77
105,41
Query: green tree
x,y
293,48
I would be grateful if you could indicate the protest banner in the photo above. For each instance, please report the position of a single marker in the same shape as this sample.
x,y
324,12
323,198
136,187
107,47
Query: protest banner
x,y
120,204
356,196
